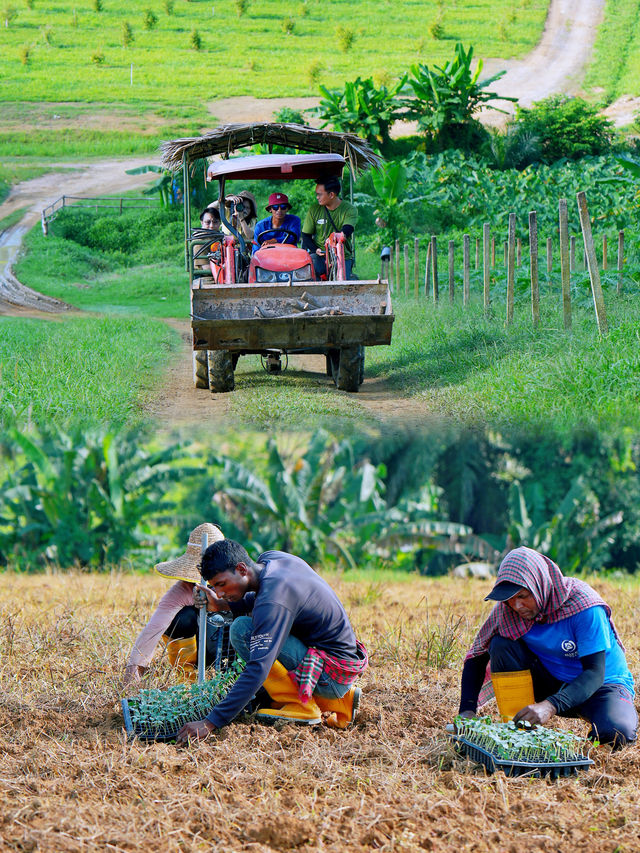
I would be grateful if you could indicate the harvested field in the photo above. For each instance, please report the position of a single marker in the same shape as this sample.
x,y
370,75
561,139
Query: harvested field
x,y
69,781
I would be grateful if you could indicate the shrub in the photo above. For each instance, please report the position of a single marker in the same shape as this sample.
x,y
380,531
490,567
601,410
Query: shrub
x,y
29,4
288,25
8,14
149,19
241,6
195,40
127,34
289,116
97,5
314,71
436,31
345,37
168,7
97,57
24,54
566,127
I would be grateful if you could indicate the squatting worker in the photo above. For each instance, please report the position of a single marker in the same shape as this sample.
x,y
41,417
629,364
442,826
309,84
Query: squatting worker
x,y
329,214
175,619
297,641
553,649
284,227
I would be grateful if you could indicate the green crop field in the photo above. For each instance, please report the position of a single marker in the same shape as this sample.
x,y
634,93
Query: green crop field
x,y
72,53
615,70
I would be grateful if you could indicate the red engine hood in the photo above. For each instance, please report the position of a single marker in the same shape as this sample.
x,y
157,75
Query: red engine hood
x,y
280,257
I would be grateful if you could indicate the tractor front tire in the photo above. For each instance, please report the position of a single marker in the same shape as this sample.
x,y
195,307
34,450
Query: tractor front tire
x,y
221,377
349,369
200,369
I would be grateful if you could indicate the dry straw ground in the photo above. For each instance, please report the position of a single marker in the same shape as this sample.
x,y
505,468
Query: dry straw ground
x,y
69,781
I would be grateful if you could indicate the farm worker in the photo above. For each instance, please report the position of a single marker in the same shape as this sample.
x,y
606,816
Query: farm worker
x,y
329,214
210,219
297,641
280,220
175,619
553,649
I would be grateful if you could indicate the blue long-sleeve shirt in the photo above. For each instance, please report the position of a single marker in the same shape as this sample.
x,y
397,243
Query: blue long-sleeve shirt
x,y
291,223
291,599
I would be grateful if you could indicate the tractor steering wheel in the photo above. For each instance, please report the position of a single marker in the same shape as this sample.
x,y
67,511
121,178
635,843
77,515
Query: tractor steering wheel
x,y
270,233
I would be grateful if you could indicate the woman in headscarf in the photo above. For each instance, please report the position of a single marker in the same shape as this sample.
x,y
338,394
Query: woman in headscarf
x,y
552,649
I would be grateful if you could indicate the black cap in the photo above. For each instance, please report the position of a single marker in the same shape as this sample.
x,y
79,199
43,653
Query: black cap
x,y
504,590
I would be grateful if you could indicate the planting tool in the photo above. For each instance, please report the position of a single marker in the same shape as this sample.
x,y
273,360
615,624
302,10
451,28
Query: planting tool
x,y
201,604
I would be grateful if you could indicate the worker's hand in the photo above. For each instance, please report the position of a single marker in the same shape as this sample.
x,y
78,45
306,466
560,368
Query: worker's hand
x,y
132,674
537,714
198,730
214,604
319,251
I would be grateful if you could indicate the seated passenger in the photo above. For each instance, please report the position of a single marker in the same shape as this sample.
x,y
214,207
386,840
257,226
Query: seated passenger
x,y
279,221
241,211
329,214
209,221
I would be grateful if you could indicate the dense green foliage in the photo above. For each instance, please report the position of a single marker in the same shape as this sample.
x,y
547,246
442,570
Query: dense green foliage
x,y
565,127
414,499
60,66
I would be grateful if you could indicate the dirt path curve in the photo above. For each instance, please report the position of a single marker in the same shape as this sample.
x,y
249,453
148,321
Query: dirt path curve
x,y
98,178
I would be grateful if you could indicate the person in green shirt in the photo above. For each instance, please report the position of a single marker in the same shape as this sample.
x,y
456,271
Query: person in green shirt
x,y
330,213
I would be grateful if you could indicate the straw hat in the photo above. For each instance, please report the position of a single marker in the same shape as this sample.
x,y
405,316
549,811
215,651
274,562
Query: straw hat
x,y
187,566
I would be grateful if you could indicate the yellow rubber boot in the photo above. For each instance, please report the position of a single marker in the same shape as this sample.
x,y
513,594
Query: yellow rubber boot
x,y
285,693
343,711
183,654
514,691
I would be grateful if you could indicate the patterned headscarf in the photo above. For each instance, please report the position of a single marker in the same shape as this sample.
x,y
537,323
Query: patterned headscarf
x,y
556,596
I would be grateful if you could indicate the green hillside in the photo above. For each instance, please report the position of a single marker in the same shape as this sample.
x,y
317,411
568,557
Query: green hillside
x,y
615,70
72,52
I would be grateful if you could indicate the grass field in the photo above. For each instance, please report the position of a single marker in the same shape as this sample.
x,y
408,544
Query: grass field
x,y
70,781
238,51
615,69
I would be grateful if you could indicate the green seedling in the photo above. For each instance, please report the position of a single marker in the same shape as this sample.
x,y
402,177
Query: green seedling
x,y
515,742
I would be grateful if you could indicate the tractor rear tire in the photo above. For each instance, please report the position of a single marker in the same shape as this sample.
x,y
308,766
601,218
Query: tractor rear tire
x,y
349,369
221,377
200,369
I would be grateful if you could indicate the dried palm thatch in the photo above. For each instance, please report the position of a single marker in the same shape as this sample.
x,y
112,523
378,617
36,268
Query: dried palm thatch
x,y
230,137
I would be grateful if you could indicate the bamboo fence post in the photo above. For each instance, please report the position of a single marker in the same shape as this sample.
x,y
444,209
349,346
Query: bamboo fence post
x,y
519,252
493,253
397,259
604,252
452,256
620,260
510,247
466,268
594,275
427,269
563,217
486,260
434,267
505,247
416,267
405,253
549,256
533,259
477,252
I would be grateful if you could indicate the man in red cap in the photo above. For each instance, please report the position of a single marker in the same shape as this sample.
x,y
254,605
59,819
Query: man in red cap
x,y
280,227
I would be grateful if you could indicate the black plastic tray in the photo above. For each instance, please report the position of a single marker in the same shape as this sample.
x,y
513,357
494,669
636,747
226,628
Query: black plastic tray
x,y
552,769
142,735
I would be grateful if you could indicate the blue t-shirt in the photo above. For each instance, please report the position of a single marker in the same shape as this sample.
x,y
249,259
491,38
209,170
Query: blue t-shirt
x,y
560,645
291,223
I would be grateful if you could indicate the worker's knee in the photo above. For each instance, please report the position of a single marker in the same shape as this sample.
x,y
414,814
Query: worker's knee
x,y
184,624
506,655
618,732
240,634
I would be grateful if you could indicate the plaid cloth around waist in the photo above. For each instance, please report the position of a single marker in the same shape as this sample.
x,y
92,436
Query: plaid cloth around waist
x,y
341,670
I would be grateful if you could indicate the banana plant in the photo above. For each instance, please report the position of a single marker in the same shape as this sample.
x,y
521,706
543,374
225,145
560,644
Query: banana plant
x,y
161,186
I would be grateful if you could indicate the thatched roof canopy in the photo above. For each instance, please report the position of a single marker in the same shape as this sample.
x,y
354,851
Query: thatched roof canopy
x,y
231,137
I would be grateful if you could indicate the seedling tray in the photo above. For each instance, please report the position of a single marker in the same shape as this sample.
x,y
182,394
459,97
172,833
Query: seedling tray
x,y
552,769
133,731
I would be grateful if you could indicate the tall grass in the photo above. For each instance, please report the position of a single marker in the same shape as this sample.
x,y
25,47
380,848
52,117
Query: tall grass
x,y
80,370
237,51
